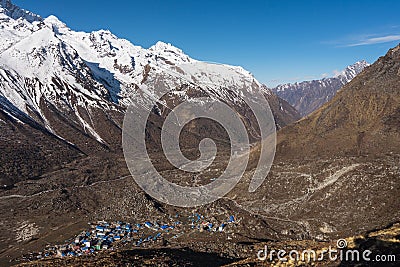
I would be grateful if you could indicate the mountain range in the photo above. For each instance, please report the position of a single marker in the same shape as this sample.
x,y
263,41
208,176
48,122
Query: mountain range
x,y
308,96
63,98
71,89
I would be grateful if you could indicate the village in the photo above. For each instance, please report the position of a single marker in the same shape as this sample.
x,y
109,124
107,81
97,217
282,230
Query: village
x,y
104,235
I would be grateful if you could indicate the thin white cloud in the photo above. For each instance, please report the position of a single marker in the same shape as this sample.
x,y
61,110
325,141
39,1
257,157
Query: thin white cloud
x,y
337,72
376,40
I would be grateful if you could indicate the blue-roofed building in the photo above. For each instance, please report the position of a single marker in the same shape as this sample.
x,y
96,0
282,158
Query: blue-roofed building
x,y
100,228
198,217
100,234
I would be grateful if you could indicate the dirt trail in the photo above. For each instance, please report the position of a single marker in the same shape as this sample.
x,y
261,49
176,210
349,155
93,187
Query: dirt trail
x,y
52,190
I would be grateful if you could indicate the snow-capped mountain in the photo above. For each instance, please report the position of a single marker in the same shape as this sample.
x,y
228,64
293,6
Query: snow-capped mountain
x,y
15,24
76,86
308,96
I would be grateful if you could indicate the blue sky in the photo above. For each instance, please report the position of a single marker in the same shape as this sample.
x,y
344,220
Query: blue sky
x,y
278,41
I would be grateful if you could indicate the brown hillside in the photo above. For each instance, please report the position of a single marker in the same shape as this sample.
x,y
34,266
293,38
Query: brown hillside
x,y
363,118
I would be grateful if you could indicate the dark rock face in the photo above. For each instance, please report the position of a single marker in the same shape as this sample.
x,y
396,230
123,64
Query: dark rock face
x,y
284,113
29,150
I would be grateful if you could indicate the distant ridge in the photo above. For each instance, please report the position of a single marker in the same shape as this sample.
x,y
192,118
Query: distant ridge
x,y
362,119
308,96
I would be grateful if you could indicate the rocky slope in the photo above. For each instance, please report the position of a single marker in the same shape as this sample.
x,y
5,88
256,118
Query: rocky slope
x,y
310,95
336,172
362,118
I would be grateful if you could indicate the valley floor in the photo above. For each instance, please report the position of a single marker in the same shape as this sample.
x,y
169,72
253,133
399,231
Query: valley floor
x,y
305,204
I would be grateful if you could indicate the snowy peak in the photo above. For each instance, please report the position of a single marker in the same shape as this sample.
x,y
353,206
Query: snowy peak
x,y
49,71
345,76
217,74
16,24
358,66
37,55
56,24
169,53
165,47
352,71
14,12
